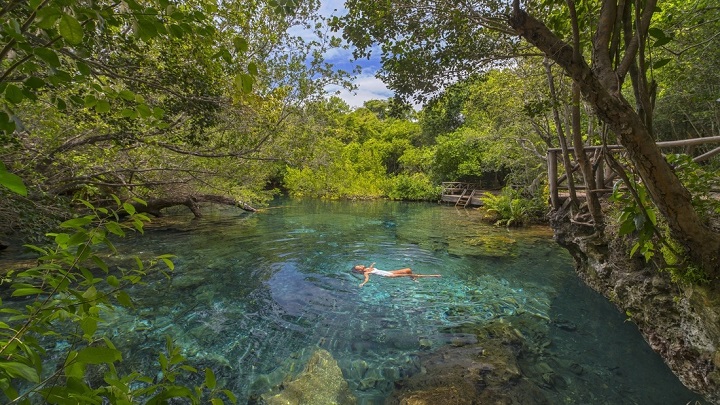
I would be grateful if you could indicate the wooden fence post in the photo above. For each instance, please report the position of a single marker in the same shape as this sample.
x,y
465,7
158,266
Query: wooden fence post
x,y
553,178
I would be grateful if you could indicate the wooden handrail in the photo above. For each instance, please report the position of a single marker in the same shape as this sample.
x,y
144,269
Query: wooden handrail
x,y
598,170
663,144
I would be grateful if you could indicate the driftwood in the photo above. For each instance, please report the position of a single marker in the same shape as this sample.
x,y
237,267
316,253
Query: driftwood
x,y
154,206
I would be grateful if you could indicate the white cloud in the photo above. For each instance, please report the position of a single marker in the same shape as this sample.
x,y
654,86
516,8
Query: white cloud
x,y
368,86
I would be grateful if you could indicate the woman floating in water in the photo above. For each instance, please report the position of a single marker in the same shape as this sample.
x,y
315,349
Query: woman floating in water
x,y
406,272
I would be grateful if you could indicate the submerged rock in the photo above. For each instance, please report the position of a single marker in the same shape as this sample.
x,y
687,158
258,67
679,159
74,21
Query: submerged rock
x,y
474,373
320,383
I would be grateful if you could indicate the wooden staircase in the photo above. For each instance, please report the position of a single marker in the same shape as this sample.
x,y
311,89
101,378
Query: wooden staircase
x,y
465,198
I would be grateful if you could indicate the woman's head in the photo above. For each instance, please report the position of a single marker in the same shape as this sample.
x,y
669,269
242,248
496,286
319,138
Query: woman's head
x,y
359,268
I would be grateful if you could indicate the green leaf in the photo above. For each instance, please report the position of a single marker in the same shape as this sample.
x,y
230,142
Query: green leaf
x,y
168,263
74,369
216,401
162,359
70,29
210,380
661,63
662,41
34,82
145,29
129,208
176,391
100,263
230,396
98,355
127,95
48,56
652,216
83,68
90,101
11,181
22,292
158,113
246,83
6,124
13,94
14,369
46,17
176,31
241,44
143,110
113,281
102,106
76,222
124,299
128,113
115,228
657,33
626,227
89,326
252,68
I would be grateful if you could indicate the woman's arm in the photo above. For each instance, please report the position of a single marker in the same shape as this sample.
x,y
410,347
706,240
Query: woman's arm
x,y
367,278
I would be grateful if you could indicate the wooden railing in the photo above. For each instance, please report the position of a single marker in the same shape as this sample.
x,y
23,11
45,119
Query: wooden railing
x,y
604,177
458,187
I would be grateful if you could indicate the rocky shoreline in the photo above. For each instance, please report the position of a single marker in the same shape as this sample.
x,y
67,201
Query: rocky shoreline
x,y
679,322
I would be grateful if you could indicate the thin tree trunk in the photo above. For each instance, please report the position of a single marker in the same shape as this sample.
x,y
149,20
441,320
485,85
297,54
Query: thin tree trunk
x,y
584,162
561,135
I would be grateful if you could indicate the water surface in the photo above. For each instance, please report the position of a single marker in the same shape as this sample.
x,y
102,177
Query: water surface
x,y
253,295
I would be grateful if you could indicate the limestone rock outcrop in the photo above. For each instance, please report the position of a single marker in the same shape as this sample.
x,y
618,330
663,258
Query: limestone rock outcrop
x,y
680,322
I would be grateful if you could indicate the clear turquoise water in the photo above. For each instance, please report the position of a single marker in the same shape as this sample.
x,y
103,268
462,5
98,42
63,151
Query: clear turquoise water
x,y
253,295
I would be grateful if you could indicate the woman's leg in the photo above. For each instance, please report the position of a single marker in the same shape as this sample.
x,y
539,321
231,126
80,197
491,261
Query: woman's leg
x,y
405,271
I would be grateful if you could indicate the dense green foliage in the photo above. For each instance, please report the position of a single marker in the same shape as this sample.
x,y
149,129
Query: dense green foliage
x,y
364,154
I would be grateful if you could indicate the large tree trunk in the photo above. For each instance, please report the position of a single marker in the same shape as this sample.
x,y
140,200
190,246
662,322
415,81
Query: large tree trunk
x,y
664,187
155,205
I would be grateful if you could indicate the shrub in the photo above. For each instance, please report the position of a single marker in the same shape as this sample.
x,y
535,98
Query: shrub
x,y
416,187
510,208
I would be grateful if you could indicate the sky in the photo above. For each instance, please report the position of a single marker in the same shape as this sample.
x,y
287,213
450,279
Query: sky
x,y
368,86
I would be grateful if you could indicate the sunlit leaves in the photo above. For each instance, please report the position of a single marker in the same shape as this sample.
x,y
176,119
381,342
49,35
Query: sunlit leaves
x,y
9,180
19,370
70,29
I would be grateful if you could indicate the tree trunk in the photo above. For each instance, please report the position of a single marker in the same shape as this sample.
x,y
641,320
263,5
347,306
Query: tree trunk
x,y
584,163
154,206
664,187
561,134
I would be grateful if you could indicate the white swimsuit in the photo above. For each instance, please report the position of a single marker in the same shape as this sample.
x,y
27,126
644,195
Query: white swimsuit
x,y
382,273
